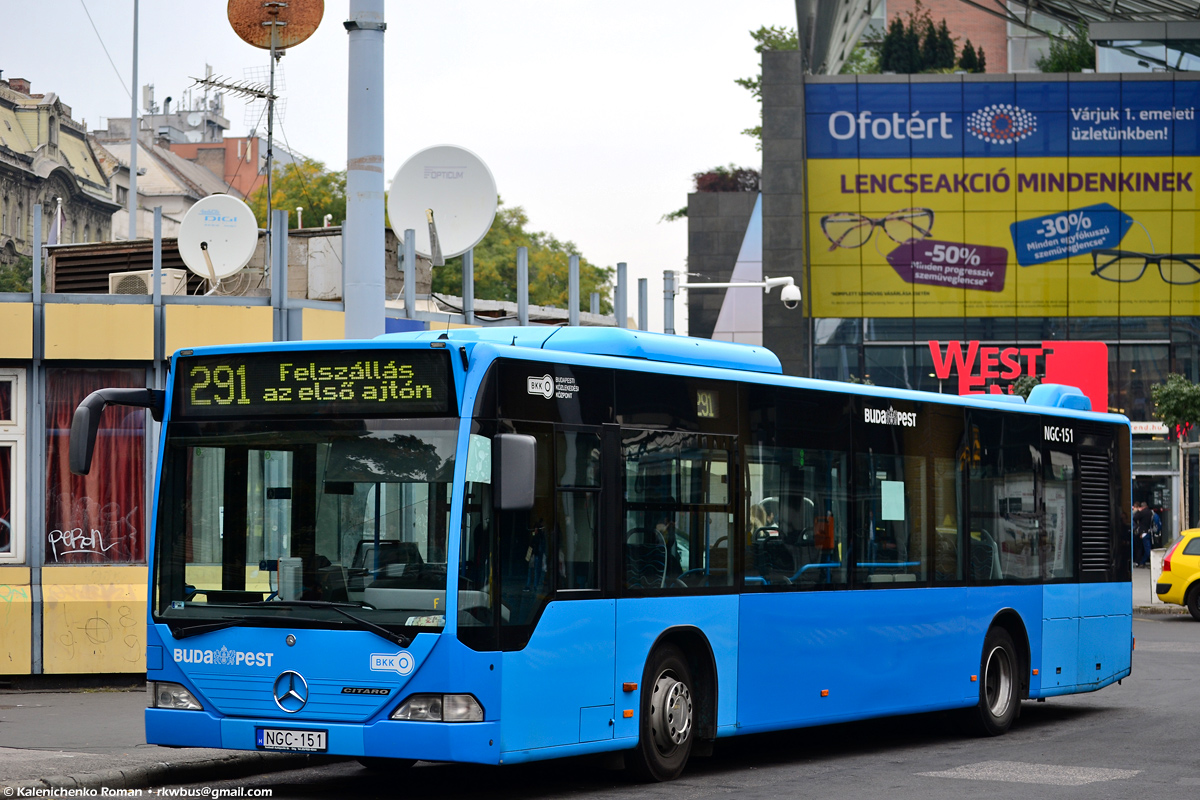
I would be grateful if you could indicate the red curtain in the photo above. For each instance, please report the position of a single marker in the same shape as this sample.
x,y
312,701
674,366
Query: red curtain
x,y
100,517
5,501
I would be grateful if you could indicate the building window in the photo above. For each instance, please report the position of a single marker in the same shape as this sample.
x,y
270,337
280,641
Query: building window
x,y
97,518
12,467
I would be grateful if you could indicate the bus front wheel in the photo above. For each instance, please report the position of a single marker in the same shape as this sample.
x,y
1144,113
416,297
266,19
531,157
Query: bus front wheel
x,y
998,685
666,729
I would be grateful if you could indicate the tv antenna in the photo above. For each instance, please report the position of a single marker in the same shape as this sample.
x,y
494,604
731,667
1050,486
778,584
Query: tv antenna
x,y
217,237
447,195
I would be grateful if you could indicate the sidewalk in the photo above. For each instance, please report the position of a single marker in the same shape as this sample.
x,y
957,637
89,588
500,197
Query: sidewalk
x,y
1145,601
95,739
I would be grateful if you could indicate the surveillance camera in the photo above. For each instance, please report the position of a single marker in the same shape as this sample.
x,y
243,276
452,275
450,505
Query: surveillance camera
x,y
790,295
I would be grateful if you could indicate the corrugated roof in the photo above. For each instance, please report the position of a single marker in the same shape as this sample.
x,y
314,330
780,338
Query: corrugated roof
x,y
167,173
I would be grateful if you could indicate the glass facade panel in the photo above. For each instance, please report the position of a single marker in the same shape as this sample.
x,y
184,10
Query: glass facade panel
x,y
888,330
838,331
893,366
1143,366
836,363
990,329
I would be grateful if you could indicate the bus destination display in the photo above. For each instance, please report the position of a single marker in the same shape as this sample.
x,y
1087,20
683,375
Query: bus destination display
x,y
400,383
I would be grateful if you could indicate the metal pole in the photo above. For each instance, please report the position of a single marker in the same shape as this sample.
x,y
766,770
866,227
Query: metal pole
x,y
410,273
594,306
573,291
643,304
468,290
279,278
364,287
271,138
619,307
668,301
156,265
133,131
522,286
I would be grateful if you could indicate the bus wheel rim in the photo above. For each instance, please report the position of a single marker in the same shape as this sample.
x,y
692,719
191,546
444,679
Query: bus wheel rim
x,y
997,682
671,713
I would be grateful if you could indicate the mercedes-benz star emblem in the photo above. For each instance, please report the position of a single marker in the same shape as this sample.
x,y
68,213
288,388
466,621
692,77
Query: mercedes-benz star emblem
x,y
291,691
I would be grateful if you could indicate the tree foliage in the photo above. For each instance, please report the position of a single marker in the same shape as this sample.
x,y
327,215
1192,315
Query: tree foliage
x,y
1070,51
863,60
1177,403
1025,384
305,183
18,276
773,37
496,267
918,45
721,179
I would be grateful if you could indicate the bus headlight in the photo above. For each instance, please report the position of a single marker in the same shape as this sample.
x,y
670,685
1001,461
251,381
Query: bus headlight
x,y
439,708
173,696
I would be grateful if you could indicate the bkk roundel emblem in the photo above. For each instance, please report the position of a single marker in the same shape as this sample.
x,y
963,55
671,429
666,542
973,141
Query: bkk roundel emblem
x,y
1002,123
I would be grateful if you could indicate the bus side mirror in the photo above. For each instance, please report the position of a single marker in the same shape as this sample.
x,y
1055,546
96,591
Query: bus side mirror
x,y
514,470
86,421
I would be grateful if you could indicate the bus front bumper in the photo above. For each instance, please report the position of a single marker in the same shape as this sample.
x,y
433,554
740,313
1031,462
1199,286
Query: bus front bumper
x,y
472,742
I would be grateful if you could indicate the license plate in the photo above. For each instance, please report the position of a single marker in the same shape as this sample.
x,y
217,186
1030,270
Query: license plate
x,y
301,741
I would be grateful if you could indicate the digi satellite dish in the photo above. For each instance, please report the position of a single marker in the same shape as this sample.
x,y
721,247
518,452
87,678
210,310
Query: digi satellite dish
x,y
217,237
456,186
291,22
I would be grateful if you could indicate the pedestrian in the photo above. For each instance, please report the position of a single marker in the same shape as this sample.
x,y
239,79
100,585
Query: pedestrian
x,y
1143,524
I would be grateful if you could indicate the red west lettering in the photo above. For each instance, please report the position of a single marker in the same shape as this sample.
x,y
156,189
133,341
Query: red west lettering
x,y
1032,354
987,362
1008,359
953,358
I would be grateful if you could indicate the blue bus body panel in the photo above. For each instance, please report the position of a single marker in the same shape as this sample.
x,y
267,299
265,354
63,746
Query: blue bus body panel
x,y
558,689
875,652
1059,665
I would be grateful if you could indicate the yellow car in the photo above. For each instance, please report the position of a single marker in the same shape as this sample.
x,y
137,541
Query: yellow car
x,y
1180,579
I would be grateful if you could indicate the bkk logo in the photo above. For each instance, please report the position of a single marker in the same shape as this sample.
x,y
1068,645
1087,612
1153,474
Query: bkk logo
x,y
543,386
1002,123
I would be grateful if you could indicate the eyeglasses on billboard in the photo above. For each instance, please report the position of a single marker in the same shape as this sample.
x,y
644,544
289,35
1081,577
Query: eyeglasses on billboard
x,y
1126,266
849,230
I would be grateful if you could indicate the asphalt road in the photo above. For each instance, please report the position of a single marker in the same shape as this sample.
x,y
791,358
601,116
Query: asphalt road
x,y
1136,740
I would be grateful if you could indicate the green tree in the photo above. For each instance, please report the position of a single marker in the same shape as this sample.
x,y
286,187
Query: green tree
x,y
17,277
1070,51
945,47
968,61
305,183
768,38
1177,403
917,45
1025,384
863,60
496,267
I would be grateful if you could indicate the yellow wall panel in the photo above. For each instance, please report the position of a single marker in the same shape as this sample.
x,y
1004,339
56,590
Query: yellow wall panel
x,y
317,323
16,330
16,621
196,326
99,331
95,619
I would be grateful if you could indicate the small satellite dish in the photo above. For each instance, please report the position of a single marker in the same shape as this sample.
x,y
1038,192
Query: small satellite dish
x,y
217,237
291,22
194,136
456,186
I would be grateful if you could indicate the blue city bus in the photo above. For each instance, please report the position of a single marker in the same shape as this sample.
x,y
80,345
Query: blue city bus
x,y
497,546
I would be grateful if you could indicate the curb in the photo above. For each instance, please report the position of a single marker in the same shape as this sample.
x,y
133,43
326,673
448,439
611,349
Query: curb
x,y
1159,609
234,765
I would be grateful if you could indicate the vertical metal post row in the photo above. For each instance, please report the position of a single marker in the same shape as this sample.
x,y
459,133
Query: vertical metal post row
x,y
279,277
619,307
643,304
35,448
594,303
410,273
668,301
468,287
573,291
363,290
522,286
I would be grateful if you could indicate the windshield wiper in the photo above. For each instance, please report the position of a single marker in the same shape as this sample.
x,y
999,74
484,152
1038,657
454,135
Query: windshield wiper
x,y
340,608
184,631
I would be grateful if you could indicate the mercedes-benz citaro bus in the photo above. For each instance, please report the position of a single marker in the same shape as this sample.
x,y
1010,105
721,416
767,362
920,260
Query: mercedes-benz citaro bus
x,y
502,545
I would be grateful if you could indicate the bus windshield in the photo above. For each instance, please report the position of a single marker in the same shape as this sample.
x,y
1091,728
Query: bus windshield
x,y
266,522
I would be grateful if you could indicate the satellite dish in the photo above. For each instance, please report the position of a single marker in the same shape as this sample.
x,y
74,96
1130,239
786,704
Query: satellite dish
x,y
194,136
291,22
217,237
194,119
456,186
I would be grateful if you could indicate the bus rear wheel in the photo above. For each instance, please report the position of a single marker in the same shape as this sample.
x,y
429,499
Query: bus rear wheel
x,y
667,719
998,685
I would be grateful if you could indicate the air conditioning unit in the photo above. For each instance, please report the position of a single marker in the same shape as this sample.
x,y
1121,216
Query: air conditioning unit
x,y
174,281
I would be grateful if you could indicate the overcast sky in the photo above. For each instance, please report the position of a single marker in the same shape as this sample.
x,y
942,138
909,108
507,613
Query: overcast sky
x,y
591,115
